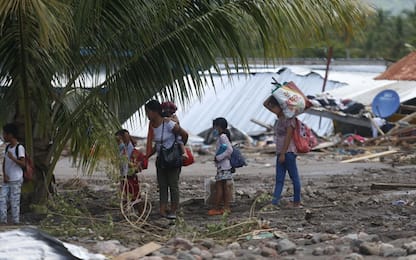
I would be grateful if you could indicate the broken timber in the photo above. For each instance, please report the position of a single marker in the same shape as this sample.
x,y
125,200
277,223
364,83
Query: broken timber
x,y
139,252
369,156
389,186
342,117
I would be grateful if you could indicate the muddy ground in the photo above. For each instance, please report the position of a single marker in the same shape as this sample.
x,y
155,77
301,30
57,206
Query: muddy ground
x,y
337,199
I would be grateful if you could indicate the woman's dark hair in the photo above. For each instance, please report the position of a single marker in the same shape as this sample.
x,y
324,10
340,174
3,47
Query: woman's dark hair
x,y
222,122
10,129
153,105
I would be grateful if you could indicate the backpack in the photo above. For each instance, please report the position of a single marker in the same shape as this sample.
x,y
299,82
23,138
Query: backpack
x,y
237,160
303,137
28,170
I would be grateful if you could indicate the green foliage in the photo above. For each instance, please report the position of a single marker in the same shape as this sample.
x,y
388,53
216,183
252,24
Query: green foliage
x,y
384,36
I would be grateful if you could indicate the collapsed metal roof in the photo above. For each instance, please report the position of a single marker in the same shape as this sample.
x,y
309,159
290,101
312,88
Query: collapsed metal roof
x,y
239,98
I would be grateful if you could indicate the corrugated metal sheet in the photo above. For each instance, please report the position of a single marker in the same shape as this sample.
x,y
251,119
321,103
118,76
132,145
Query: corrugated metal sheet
x,y
405,89
240,98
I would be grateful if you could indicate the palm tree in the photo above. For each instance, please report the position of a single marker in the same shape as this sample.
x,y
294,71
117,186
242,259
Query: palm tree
x,y
73,70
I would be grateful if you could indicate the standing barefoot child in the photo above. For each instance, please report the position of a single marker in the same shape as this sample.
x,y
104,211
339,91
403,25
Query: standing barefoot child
x,y
285,151
224,177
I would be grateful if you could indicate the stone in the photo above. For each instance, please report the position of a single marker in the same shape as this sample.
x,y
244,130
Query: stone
x,y
195,251
394,252
271,244
330,250
354,256
268,252
180,243
109,247
206,255
185,256
286,246
369,248
384,247
208,243
410,247
318,251
234,246
328,237
225,255
167,251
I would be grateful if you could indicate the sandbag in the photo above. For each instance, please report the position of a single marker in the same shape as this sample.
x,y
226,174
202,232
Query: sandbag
x,y
290,98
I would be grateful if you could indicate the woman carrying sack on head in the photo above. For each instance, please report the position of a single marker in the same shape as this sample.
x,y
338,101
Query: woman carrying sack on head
x,y
165,133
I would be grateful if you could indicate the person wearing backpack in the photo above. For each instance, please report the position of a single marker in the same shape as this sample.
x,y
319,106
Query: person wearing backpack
x,y
12,175
224,175
286,153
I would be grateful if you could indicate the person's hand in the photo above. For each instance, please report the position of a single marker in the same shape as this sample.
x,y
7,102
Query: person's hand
x,y
5,178
282,158
10,155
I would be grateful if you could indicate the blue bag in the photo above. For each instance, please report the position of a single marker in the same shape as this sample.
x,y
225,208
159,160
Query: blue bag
x,y
237,160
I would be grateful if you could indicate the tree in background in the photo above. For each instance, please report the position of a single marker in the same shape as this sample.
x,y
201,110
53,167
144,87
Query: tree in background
x,y
72,71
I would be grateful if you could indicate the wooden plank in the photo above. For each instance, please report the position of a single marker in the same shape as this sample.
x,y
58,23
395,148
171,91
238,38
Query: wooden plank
x,y
408,107
388,186
349,119
265,125
356,159
139,252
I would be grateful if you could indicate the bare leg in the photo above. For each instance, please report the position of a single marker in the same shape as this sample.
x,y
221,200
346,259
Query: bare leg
x,y
219,194
227,185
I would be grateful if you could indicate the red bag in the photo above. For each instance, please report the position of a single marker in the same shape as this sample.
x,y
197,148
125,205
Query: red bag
x,y
303,137
190,160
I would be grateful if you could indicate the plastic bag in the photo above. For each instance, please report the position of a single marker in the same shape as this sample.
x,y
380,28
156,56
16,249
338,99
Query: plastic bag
x,y
290,99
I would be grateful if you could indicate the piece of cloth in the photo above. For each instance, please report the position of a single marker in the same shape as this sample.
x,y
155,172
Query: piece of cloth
x,y
168,180
10,191
223,159
281,168
280,131
224,175
12,169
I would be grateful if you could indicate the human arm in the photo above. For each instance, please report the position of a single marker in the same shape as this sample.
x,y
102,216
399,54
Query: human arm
x,y
177,129
5,177
227,153
150,148
272,105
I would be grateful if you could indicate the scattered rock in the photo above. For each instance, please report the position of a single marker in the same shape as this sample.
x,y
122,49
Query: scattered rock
x,y
109,247
180,243
268,252
234,246
330,250
369,248
410,247
286,246
318,251
185,256
225,255
354,256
